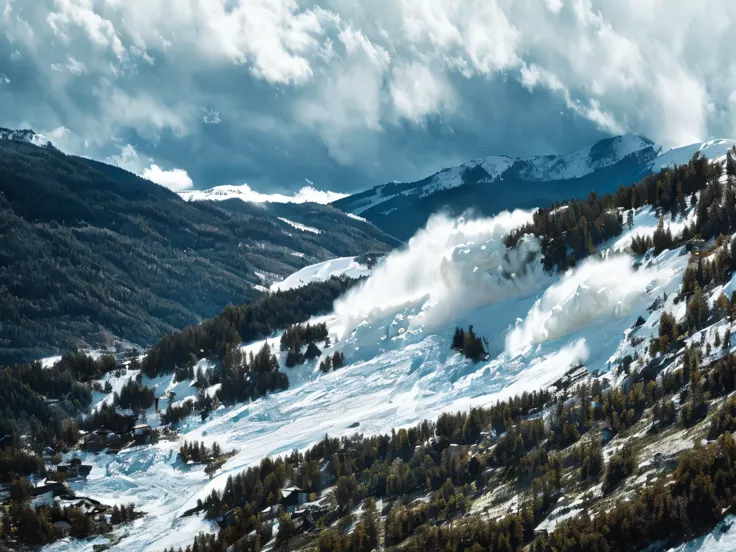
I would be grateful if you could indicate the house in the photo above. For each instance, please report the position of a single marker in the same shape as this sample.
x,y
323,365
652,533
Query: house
x,y
271,512
292,498
74,469
44,494
142,434
303,521
88,506
227,519
453,452
56,487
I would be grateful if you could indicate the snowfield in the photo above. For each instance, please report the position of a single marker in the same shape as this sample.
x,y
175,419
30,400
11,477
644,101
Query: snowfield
x,y
395,331
320,272
308,194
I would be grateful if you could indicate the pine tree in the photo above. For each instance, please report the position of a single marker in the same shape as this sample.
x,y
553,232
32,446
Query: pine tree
x,y
697,309
727,339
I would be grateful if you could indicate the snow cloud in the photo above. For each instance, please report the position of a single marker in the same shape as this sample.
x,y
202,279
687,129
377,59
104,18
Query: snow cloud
x,y
597,289
448,268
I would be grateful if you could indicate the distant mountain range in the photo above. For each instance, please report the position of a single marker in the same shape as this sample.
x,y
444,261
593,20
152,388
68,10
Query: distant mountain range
x,y
91,253
492,184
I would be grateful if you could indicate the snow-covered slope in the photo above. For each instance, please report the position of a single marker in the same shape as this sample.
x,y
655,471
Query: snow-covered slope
x,y
492,184
308,194
319,272
713,149
547,168
395,331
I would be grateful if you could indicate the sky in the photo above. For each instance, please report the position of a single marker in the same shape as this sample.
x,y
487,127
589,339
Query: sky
x,y
347,94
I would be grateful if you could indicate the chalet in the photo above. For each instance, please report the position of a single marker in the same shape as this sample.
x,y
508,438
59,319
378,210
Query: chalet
x,y
303,521
74,469
292,498
271,512
88,506
44,494
142,434
453,452
55,487
227,519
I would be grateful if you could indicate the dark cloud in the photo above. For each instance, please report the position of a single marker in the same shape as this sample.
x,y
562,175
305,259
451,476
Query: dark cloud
x,y
348,95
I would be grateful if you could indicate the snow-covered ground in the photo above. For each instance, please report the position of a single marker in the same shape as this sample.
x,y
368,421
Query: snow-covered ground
x,y
721,539
395,331
540,168
320,272
300,226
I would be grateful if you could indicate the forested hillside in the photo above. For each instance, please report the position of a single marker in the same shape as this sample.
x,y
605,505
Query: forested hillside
x,y
91,252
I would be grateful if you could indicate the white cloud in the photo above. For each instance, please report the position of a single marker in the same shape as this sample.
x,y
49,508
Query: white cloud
x,y
176,180
72,66
416,92
81,13
554,5
349,73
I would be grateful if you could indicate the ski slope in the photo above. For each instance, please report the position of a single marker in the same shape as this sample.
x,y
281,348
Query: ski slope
x,y
395,331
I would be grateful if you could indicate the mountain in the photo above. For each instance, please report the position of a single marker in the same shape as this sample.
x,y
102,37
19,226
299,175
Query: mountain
x,y
561,379
25,135
91,252
492,184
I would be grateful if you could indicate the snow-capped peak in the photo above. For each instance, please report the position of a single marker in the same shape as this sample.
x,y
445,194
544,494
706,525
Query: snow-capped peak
x,y
542,168
25,135
307,194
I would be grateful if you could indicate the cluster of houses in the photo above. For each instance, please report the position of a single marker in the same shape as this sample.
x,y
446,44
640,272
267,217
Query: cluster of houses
x,y
56,493
102,438
293,501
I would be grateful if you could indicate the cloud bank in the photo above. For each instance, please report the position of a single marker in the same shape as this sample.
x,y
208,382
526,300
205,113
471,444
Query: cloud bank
x,y
351,94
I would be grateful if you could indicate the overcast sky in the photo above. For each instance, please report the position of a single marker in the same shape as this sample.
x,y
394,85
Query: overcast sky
x,y
352,93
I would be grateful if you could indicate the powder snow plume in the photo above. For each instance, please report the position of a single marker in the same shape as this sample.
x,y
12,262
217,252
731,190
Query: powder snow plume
x,y
449,267
594,290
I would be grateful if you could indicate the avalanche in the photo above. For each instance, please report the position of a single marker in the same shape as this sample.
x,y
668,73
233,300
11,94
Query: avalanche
x,y
395,331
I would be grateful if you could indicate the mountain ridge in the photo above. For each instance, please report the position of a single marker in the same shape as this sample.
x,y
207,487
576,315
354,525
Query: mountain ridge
x,y
489,185
93,253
